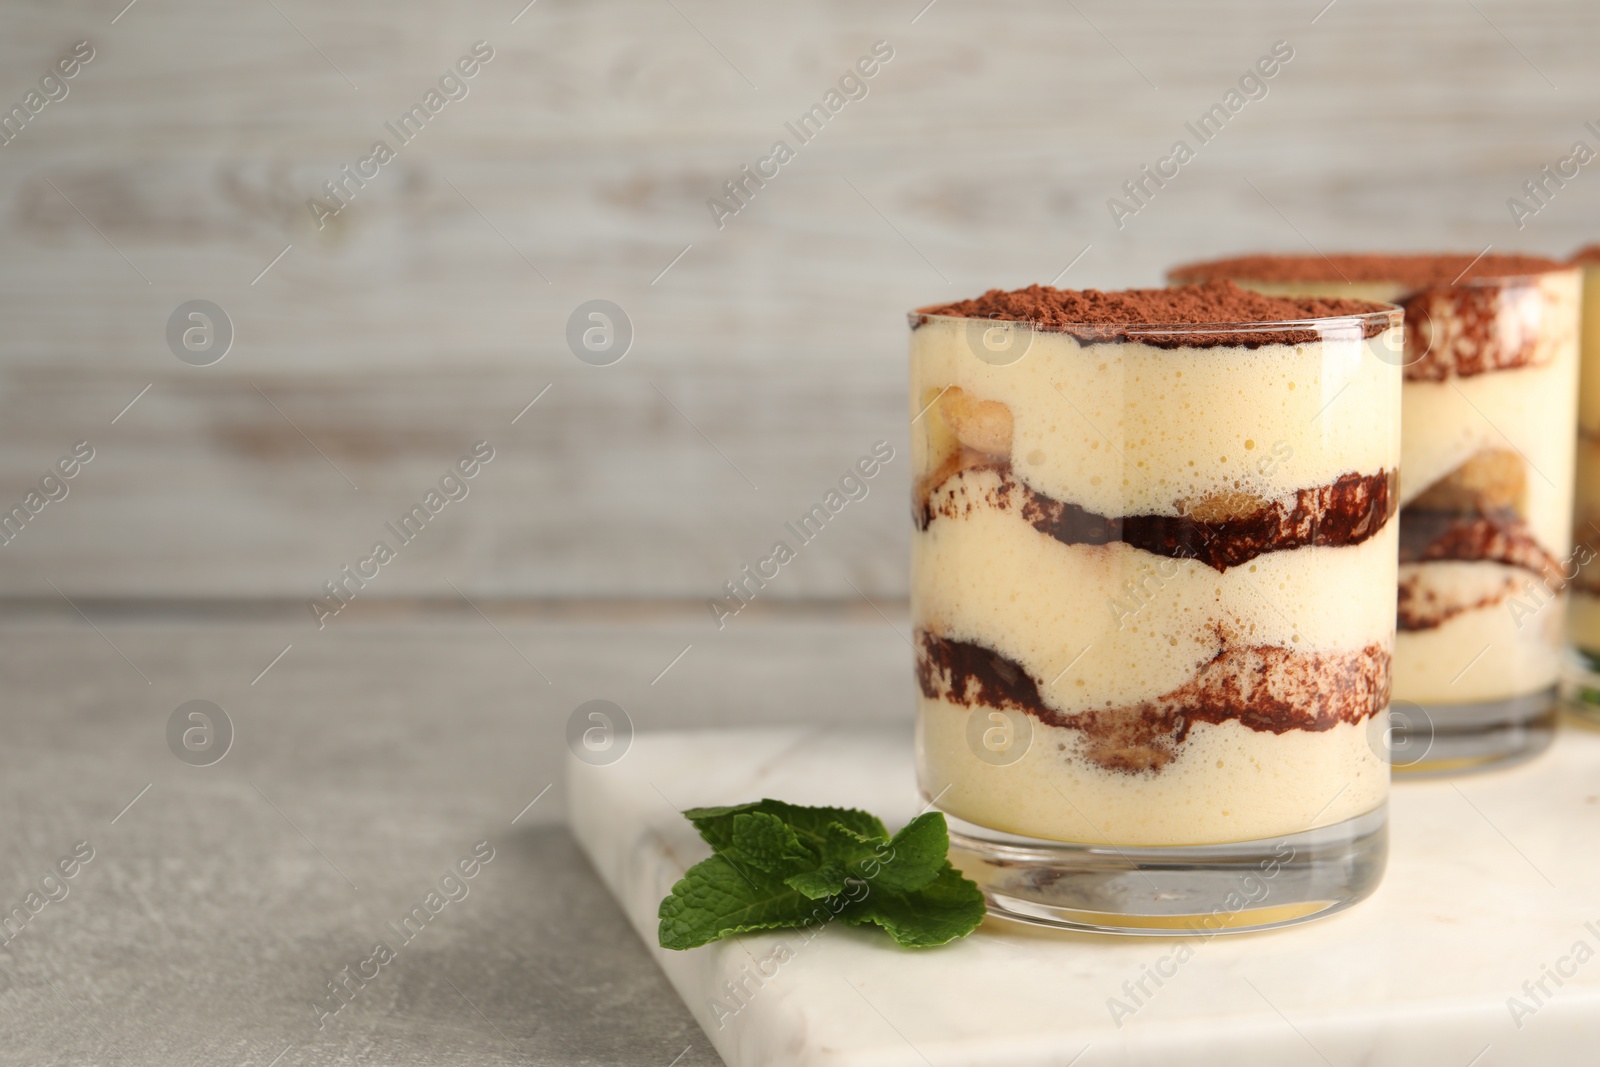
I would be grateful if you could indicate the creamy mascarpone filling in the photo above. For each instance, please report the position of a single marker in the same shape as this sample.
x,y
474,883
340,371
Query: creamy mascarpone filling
x,y
1111,625
1583,619
1126,429
1526,409
1231,784
1508,646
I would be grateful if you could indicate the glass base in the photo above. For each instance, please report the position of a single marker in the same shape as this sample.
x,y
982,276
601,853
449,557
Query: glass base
x,y
1440,739
1185,891
1580,684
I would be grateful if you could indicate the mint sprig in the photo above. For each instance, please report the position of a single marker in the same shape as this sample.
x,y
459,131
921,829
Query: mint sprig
x,y
778,866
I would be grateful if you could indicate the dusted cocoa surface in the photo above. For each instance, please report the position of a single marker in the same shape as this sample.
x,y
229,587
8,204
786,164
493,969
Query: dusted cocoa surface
x,y
1421,271
1267,688
1588,255
1094,316
1451,301
1347,512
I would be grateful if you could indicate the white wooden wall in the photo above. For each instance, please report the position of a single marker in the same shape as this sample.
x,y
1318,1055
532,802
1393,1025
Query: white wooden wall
x,y
433,308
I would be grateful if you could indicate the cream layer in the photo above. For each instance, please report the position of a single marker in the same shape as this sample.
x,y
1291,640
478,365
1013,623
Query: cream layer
x,y
1126,428
1509,647
1231,783
1583,620
1110,625
1583,616
1589,378
1447,422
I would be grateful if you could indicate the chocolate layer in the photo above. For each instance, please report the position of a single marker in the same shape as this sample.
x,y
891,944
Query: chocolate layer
x,y
1500,536
1348,512
1164,318
1268,688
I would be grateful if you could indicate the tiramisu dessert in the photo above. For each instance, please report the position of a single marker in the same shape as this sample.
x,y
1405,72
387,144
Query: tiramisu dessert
x,y
1490,363
1153,589
1583,611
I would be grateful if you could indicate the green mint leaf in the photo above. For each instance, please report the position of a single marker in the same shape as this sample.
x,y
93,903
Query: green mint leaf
x,y
715,899
809,824
947,908
774,862
823,882
914,857
847,848
766,843
910,860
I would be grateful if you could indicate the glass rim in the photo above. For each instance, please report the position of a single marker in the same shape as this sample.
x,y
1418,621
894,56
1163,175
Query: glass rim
x,y
1392,315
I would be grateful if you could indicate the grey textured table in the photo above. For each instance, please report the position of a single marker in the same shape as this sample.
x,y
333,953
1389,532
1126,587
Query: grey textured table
x,y
368,760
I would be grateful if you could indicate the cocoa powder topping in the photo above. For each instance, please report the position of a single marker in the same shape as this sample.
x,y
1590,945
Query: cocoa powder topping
x,y
1150,315
1588,255
1417,271
1461,311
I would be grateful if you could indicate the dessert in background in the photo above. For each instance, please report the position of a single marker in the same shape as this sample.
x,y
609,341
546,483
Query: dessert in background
x,y
1489,410
1153,593
1582,685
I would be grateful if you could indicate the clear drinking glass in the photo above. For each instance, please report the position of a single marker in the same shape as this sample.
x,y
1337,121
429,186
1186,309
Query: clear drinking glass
x,y
1153,593
1489,415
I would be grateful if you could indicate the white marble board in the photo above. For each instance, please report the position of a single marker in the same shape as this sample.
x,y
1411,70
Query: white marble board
x,y
1492,883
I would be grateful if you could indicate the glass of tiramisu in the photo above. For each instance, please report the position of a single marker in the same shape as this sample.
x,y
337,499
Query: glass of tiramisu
x,y
1153,594
1490,363
1581,685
